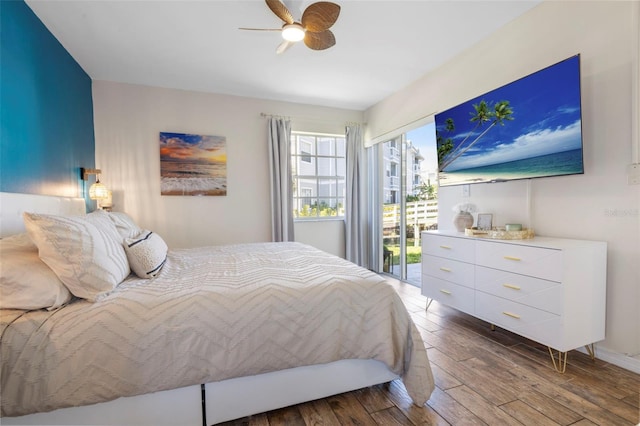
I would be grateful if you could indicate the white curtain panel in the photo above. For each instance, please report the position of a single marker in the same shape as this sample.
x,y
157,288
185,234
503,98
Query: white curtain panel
x,y
356,196
280,174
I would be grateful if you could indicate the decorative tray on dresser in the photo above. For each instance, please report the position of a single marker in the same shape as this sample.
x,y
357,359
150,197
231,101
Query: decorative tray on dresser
x,y
550,290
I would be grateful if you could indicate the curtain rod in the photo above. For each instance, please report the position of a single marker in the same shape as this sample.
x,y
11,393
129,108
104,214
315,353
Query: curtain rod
x,y
264,115
287,117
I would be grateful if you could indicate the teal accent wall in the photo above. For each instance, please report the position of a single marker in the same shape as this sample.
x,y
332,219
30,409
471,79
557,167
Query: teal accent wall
x,y
46,109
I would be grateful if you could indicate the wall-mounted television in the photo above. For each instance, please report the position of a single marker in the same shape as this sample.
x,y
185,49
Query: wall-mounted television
x,y
529,128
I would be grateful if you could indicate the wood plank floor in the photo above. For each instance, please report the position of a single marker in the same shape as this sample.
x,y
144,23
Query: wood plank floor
x,y
482,377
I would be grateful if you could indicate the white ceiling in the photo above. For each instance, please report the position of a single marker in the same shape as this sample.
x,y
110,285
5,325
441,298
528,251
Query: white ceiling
x,y
382,46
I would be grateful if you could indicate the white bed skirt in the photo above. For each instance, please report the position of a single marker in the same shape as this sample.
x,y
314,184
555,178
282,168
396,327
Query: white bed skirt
x,y
225,400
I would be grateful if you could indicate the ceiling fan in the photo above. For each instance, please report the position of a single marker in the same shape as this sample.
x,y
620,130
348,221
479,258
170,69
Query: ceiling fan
x,y
313,28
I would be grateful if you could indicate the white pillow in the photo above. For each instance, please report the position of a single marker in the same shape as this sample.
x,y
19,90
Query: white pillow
x,y
146,253
85,252
126,227
25,281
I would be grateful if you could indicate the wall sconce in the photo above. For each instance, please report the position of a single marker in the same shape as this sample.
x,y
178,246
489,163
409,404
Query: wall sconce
x,y
97,191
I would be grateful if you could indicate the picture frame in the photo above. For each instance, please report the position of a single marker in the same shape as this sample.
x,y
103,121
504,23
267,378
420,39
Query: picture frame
x,y
485,221
193,164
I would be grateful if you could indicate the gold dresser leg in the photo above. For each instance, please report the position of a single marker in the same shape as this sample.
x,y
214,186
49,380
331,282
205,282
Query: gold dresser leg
x,y
561,366
591,351
428,304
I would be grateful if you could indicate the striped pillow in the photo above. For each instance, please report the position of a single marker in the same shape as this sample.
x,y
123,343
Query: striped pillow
x,y
85,252
146,253
126,227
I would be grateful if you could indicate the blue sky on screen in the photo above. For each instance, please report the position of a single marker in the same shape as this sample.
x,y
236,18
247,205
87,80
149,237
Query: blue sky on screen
x,y
546,112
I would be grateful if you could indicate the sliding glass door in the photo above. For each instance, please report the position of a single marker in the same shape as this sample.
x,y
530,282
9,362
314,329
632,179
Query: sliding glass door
x,y
392,218
409,200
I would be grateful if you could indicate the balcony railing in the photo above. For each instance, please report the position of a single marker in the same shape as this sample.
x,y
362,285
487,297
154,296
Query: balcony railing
x,y
420,215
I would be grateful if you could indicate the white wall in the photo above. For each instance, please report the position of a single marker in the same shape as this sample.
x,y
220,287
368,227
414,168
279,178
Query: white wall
x,y
598,205
327,235
128,119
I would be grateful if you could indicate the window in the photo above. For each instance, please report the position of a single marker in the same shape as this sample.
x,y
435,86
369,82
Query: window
x,y
318,171
305,151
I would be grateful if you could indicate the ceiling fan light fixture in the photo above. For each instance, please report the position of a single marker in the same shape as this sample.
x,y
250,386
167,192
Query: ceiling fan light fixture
x,y
313,26
292,32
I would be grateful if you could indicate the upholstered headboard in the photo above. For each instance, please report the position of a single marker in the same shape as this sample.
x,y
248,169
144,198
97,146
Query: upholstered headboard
x,y
12,206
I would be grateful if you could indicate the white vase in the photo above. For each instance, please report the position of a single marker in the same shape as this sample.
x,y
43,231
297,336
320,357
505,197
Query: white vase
x,y
462,221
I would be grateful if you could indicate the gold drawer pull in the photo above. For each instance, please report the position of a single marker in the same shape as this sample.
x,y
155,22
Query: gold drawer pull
x,y
509,314
446,247
511,286
445,291
517,259
442,268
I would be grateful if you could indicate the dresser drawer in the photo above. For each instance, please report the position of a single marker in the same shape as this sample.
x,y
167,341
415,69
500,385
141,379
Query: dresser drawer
x,y
537,262
536,292
535,324
449,270
449,247
448,293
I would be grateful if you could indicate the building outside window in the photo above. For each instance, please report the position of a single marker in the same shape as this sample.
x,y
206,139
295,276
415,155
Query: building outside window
x,y
318,173
305,151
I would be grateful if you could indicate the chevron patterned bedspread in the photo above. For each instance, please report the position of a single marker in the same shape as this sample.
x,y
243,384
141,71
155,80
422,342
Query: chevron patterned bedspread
x,y
212,313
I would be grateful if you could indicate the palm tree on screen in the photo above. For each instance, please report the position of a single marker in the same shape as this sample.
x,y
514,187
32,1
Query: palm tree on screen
x,y
444,145
502,112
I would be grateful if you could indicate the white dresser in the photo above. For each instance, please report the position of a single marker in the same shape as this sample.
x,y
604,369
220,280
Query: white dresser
x,y
550,290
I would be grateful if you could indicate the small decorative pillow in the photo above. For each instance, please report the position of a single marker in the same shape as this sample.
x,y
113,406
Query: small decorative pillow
x,y
85,252
26,282
146,253
126,227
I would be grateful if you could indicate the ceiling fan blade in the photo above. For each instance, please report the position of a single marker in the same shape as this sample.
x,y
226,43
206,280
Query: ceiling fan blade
x,y
319,41
320,16
280,10
284,46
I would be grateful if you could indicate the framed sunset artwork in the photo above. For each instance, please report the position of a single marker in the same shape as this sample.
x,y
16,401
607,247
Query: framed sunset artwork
x,y
193,164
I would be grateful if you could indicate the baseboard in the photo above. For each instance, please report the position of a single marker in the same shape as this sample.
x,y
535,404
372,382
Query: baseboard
x,y
615,358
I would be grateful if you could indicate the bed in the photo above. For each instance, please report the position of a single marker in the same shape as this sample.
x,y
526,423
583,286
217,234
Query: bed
x,y
219,333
